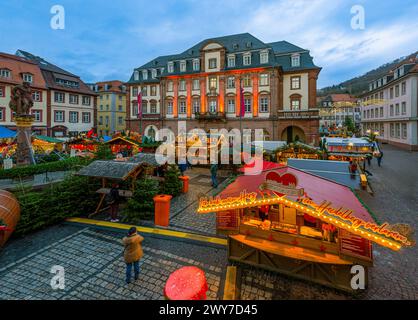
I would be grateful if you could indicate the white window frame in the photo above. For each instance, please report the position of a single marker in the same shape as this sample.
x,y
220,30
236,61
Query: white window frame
x,y
154,73
196,105
170,107
59,119
72,96
295,60
84,100
265,77
231,61
246,59
196,64
4,73
264,57
213,106
144,74
247,104
211,66
182,85
84,115
70,117
230,82
170,67
183,66
264,105
196,84
59,94
231,106
210,83
27,77
182,107
136,75
37,115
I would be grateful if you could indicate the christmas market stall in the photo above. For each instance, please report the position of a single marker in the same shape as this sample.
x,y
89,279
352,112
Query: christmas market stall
x,y
44,144
297,150
124,146
296,223
121,172
83,144
7,142
348,148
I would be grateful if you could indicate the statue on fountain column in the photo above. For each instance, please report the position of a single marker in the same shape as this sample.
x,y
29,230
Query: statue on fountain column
x,y
21,99
20,103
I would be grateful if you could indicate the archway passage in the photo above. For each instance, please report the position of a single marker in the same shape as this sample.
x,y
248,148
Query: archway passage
x,y
150,131
292,134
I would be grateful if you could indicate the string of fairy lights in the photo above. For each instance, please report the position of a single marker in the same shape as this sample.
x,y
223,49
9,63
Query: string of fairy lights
x,y
382,240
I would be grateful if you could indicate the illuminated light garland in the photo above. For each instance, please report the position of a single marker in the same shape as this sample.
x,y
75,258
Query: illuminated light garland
x,y
276,199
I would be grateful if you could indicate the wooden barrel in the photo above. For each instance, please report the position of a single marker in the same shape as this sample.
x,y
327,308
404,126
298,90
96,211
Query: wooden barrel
x,y
9,214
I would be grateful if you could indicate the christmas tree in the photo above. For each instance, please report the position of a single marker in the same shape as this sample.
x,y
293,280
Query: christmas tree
x,y
172,184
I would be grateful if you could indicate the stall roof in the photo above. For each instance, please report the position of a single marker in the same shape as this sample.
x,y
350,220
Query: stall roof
x,y
125,139
48,139
357,142
332,170
148,158
270,145
250,169
6,133
117,170
315,187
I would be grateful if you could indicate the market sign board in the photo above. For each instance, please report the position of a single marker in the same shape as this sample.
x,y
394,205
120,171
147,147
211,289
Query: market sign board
x,y
7,163
355,246
283,184
227,220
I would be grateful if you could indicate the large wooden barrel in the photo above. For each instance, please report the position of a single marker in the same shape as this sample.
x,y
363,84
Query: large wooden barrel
x,y
9,214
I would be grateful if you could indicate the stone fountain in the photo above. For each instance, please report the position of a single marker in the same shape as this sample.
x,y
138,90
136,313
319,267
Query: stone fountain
x,y
21,102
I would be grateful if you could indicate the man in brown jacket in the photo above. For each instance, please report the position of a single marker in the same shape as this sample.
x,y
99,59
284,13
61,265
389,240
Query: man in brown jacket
x,y
133,253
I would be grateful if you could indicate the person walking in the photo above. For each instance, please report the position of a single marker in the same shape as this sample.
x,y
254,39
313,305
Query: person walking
x,y
369,160
379,158
114,199
214,172
133,253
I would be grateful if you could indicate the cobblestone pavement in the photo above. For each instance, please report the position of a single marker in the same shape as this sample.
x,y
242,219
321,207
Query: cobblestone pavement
x,y
94,267
394,275
183,215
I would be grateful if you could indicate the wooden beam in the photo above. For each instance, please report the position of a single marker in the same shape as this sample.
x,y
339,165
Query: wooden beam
x,y
230,289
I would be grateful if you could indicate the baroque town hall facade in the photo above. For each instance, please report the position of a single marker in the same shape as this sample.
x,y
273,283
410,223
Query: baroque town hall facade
x,y
202,86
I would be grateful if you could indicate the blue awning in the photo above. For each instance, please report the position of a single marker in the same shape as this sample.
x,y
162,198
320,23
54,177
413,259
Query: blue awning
x,y
6,133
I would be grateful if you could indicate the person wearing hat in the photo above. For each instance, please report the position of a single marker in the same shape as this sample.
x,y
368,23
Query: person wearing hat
x,y
132,253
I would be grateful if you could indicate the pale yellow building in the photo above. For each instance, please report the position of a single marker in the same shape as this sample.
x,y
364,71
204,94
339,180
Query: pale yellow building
x,y
111,107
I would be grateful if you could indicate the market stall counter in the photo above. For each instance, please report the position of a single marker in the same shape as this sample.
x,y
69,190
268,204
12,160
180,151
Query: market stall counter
x,y
290,221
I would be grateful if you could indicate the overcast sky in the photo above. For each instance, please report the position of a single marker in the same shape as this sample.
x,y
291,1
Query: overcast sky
x,y
105,40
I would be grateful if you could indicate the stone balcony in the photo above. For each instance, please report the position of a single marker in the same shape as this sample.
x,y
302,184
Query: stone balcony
x,y
299,114
210,116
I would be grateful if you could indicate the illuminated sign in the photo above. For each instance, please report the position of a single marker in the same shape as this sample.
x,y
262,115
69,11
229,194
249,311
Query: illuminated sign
x,y
283,184
356,223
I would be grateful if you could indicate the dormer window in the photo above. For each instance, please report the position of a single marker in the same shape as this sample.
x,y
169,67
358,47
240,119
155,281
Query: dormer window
x,y
196,65
27,77
154,73
264,57
136,75
144,74
5,73
212,63
247,59
183,66
295,60
231,61
170,67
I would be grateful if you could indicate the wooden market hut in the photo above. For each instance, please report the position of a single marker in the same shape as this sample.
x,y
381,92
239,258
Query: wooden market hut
x,y
124,145
44,144
111,171
297,150
348,148
299,224
82,144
